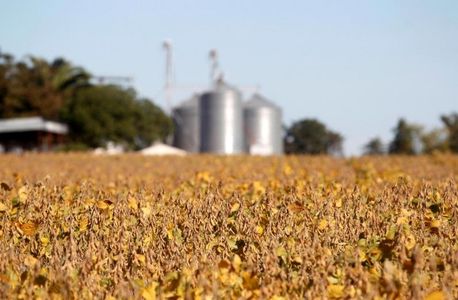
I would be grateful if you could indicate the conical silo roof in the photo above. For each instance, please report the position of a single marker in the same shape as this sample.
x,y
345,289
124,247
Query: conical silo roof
x,y
193,101
258,101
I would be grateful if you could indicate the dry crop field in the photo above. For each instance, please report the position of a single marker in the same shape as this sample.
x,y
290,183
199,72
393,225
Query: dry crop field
x,y
77,226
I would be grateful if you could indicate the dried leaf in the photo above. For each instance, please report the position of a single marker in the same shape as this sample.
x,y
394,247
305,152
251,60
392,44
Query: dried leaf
x,y
28,229
5,186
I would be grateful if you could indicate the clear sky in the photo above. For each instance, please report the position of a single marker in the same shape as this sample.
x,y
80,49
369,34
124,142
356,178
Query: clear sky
x,y
357,66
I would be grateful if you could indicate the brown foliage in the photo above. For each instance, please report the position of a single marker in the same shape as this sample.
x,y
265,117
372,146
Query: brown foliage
x,y
79,226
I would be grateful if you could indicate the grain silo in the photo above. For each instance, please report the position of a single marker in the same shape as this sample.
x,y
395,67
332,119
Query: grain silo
x,y
221,128
262,126
186,121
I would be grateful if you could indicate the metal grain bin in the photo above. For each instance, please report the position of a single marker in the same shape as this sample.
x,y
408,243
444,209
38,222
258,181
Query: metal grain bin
x,y
186,121
262,126
221,128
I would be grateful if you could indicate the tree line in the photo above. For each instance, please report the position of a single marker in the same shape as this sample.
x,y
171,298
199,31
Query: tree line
x,y
411,139
95,113
310,136
98,113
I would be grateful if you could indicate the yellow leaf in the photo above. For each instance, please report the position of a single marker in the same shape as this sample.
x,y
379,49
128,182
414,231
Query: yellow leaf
x,y
22,194
362,255
391,234
339,203
402,220
236,263
410,242
146,211
259,230
335,291
83,224
235,207
435,224
104,204
170,234
258,187
332,280
211,244
141,258
281,252
287,170
298,260
133,204
3,207
322,224
149,293
44,240
89,202
436,295
250,281
68,193
204,176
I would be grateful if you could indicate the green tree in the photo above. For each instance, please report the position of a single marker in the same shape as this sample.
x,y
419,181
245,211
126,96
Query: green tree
x,y
310,136
100,114
374,147
406,139
451,123
152,124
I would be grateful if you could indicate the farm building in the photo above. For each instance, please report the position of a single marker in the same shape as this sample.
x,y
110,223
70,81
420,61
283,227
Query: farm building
x,y
30,134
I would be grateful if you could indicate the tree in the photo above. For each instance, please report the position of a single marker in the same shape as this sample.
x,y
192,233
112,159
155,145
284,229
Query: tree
x,y
36,87
374,147
451,123
312,137
99,114
334,143
152,124
434,140
406,139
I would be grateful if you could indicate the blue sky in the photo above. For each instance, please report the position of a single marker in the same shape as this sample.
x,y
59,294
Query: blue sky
x,y
356,65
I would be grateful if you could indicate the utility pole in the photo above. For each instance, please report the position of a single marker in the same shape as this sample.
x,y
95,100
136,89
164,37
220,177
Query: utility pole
x,y
168,87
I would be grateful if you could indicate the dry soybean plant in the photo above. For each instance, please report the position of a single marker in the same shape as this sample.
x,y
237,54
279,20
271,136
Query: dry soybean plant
x,y
77,226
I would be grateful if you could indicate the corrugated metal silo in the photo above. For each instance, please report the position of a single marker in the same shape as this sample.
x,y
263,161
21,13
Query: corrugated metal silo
x,y
262,126
186,120
221,128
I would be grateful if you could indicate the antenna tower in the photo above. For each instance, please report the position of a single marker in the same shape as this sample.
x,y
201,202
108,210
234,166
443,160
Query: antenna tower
x,y
214,66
